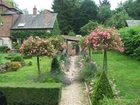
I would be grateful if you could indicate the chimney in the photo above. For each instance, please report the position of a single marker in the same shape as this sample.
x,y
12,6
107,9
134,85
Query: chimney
x,y
34,10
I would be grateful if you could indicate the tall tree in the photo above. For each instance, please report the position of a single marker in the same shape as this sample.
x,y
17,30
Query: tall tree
x,y
133,8
87,11
66,10
104,13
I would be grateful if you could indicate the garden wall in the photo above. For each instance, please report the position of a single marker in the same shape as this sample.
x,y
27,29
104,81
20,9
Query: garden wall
x,y
32,94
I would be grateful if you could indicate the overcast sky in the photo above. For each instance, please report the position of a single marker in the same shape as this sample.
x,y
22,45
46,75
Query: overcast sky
x,y
47,4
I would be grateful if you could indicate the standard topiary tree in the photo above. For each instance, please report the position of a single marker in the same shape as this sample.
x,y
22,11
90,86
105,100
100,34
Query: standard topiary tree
x,y
37,47
55,66
103,38
102,89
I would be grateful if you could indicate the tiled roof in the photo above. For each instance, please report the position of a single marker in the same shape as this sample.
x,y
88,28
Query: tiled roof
x,y
30,21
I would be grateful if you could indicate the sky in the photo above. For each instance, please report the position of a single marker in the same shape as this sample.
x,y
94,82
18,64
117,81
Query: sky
x,y
47,4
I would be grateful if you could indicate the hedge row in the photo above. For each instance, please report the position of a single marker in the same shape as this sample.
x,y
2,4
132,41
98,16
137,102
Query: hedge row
x,y
131,39
32,94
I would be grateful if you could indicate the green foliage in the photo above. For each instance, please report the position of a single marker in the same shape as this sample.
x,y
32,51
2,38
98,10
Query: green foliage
x,y
90,13
23,34
51,78
102,89
66,11
16,57
104,13
131,38
86,29
16,45
132,7
55,66
71,33
56,29
104,2
120,102
3,48
32,94
118,20
87,72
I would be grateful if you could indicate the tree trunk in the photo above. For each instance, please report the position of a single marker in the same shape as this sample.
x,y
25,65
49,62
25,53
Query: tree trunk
x,y
38,66
105,60
89,52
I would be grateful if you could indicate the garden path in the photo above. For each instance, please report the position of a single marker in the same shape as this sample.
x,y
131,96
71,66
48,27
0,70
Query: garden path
x,y
73,94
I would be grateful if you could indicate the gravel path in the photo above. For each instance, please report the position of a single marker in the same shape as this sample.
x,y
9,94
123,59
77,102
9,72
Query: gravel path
x,y
73,94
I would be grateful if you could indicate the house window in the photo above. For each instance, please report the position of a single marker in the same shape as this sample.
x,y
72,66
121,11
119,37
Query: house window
x,y
21,24
1,42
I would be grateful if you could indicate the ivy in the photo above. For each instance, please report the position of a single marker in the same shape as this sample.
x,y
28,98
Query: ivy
x,y
22,34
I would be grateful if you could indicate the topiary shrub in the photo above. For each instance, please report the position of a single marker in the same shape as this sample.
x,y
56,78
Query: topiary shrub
x,y
102,89
55,66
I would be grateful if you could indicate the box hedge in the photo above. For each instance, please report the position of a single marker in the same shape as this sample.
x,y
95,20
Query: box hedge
x,y
32,94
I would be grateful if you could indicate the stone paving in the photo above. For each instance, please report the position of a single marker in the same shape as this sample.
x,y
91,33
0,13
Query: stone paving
x,y
73,94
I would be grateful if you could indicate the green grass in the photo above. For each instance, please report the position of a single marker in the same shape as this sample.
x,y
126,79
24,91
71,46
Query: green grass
x,y
126,72
26,73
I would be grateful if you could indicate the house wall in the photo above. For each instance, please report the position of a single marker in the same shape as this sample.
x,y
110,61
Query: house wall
x,y
8,21
6,42
5,28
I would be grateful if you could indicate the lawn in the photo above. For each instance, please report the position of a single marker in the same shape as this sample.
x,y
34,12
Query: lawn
x,y
26,73
126,72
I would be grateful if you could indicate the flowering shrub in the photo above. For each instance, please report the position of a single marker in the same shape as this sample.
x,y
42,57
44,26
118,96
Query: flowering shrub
x,y
104,39
37,46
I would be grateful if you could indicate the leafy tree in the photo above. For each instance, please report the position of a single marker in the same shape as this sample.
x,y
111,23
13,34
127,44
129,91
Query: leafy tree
x,y
104,13
87,11
118,20
86,29
132,7
104,2
66,10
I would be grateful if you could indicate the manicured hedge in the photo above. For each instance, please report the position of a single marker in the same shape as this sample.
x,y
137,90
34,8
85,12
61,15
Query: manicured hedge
x,y
32,94
131,39
102,89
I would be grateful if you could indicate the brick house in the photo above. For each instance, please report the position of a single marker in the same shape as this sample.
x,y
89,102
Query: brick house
x,y
12,19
